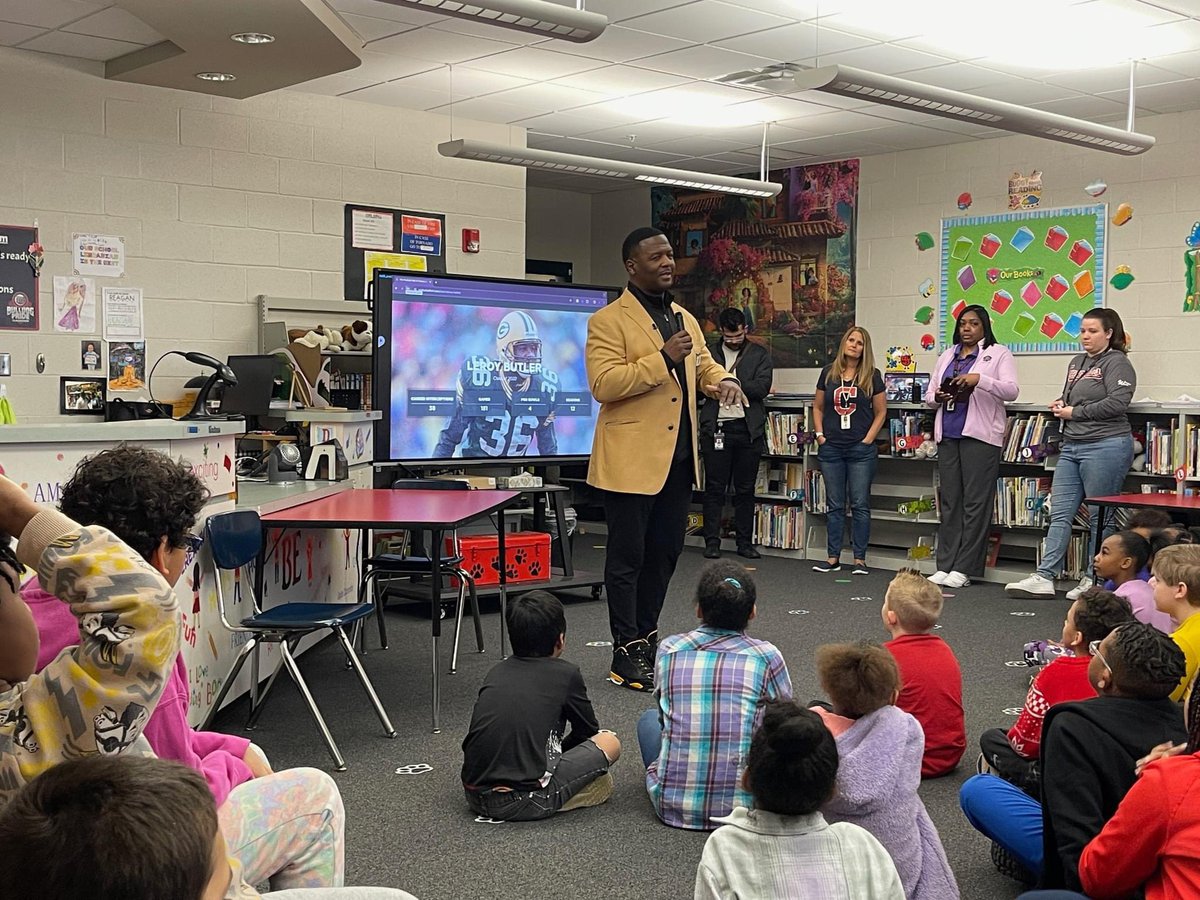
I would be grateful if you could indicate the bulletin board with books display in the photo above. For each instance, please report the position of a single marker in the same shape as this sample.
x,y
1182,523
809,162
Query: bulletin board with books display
x,y
1037,272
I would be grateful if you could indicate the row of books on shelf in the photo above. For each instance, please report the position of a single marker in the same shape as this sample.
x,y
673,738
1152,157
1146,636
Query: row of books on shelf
x,y
1025,437
778,525
1021,501
907,432
784,432
1079,555
784,480
1161,448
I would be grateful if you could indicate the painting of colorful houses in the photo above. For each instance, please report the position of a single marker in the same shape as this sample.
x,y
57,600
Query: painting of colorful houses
x,y
787,263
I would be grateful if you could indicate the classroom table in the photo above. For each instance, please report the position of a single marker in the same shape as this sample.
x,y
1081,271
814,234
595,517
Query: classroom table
x,y
1166,502
433,511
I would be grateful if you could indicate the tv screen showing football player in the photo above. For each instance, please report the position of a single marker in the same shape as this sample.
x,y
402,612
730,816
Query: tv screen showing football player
x,y
484,369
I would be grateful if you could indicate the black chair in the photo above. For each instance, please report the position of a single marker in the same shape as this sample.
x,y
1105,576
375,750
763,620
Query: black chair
x,y
234,540
405,564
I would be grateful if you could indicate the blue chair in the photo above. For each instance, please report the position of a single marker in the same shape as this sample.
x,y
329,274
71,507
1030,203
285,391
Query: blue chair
x,y
400,565
234,540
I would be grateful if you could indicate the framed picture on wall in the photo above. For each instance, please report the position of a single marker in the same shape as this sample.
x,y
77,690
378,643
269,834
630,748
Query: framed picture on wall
x,y
81,396
693,242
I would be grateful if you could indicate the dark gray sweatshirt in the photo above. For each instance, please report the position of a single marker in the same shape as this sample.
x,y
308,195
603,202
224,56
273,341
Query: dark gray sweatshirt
x,y
1100,389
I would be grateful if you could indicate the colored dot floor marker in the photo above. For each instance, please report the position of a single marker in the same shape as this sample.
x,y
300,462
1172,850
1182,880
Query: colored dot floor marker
x,y
598,644
843,581
415,769
1011,710
1017,664
947,596
797,612
1026,615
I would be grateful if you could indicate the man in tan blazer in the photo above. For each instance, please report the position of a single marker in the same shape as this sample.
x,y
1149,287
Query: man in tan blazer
x,y
646,360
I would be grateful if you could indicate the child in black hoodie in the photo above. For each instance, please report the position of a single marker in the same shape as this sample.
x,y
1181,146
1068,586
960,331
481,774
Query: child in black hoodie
x,y
1089,755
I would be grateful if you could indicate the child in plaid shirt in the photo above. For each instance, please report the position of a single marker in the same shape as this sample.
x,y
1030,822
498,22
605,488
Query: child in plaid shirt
x,y
712,684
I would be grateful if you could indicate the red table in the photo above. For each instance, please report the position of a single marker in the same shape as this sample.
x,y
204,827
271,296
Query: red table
x,y
433,511
1167,502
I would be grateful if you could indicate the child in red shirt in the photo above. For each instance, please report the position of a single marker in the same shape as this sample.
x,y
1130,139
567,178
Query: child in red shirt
x,y
1014,755
931,681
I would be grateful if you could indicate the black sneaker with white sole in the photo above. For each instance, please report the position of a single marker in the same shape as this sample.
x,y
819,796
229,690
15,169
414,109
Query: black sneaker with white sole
x,y
860,569
628,668
825,567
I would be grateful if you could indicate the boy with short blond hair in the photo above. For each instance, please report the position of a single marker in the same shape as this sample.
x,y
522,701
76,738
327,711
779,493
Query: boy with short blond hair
x,y
931,680
1175,580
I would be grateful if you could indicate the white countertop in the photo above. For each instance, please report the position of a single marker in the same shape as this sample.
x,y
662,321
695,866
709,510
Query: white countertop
x,y
96,431
340,415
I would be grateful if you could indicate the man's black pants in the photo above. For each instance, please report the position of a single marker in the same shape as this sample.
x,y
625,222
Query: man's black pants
x,y
645,537
737,462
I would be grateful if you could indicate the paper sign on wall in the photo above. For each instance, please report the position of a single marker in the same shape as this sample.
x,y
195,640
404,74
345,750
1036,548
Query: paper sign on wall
x,y
122,314
74,304
407,261
18,281
127,366
102,255
419,234
371,229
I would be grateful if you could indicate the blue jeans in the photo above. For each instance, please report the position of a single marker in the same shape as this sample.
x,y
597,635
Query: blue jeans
x,y
1085,469
649,734
848,473
1007,815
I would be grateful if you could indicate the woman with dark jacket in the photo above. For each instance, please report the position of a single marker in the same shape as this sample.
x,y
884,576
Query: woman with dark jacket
x,y
1097,444
732,438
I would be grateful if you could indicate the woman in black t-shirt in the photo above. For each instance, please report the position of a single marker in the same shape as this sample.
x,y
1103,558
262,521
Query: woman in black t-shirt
x,y
849,409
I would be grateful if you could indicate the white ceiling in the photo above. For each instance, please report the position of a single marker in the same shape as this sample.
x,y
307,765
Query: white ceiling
x,y
622,94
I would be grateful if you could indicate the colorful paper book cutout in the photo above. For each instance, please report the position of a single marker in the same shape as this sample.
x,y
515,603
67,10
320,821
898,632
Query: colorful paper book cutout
x,y
1022,239
1081,252
1051,325
1083,283
1056,236
1074,324
1001,301
1031,293
1024,324
966,278
962,248
989,245
1056,287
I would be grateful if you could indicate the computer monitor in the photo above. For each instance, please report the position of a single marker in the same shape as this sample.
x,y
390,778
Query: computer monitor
x,y
251,396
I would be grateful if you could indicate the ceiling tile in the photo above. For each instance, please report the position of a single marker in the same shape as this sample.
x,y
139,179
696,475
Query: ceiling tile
x,y
703,20
397,12
1110,78
1087,107
603,149
617,80
703,62
581,121
1026,91
777,109
394,94
843,122
462,83
546,96
79,45
843,145
11,33
47,13
116,24
486,109
695,145
534,63
792,42
438,46
910,137
887,59
371,28
377,67
645,132
958,76
619,10
1172,97
618,44
334,85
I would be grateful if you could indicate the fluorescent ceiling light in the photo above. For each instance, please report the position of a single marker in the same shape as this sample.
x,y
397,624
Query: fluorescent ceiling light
x,y
905,94
550,160
534,16
1050,35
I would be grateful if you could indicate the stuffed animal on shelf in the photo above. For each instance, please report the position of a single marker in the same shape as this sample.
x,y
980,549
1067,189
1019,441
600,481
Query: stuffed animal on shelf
x,y
928,449
357,336
1139,455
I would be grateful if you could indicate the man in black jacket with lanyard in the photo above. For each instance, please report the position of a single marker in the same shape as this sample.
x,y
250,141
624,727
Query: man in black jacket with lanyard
x,y
732,437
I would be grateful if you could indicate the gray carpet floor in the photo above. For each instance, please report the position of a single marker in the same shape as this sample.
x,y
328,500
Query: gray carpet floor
x,y
414,830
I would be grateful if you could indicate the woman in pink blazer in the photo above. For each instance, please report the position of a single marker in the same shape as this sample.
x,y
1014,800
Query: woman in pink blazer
x,y
970,385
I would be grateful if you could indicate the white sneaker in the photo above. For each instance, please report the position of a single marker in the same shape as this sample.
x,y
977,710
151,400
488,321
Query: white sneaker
x,y
1084,583
956,580
1034,586
939,577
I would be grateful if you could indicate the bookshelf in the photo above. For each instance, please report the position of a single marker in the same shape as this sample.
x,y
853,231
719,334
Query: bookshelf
x,y
789,512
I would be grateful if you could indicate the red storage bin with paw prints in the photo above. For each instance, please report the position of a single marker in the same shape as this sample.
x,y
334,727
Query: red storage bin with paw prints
x,y
527,554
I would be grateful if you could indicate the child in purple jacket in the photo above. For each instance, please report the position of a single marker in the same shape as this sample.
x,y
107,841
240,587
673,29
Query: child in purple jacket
x,y
879,765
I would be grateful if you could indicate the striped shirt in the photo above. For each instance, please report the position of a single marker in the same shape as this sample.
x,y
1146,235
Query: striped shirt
x,y
712,684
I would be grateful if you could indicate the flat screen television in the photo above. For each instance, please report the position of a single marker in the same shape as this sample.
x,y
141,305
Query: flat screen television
x,y
482,370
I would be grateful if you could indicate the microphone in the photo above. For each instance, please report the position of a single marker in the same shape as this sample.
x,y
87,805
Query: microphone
x,y
679,321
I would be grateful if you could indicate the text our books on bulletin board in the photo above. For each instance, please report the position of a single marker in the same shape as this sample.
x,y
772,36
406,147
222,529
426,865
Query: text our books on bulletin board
x,y
1036,272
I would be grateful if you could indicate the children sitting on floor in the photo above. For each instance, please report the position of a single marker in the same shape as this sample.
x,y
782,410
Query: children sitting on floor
x,y
1176,586
930,679
711,684
783,848
1014,755
286,828
519,761
879,750
126,828
1090,750
1122,556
